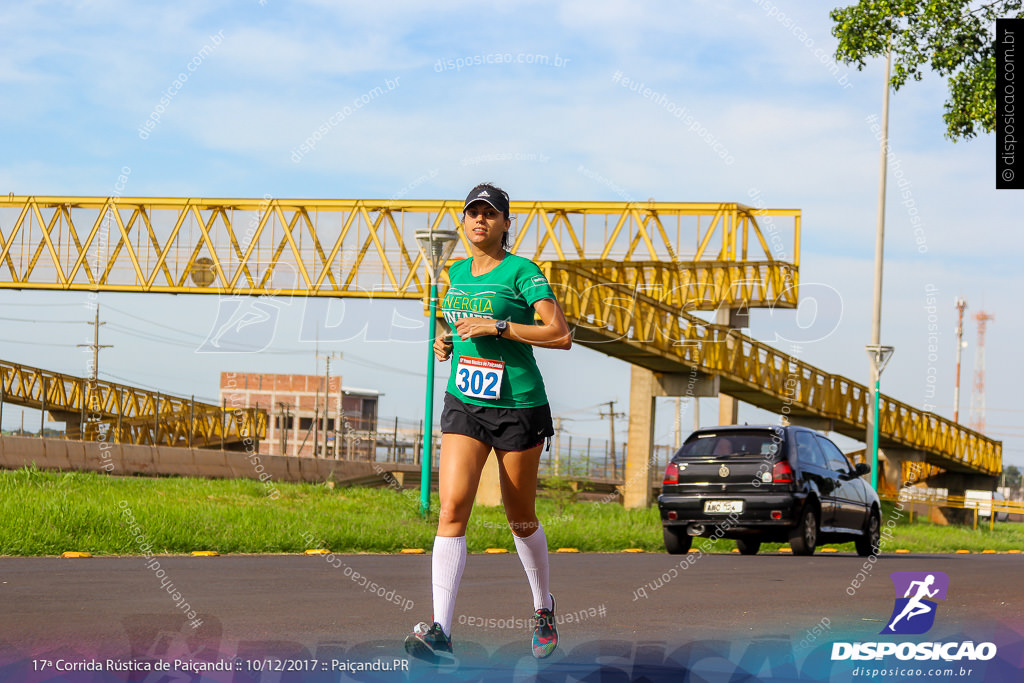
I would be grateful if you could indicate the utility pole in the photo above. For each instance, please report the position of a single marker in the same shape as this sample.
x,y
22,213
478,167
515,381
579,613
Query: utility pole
x,y
558,444
611,415
285,414
680,409
94,367
339,426
679,421
95,346
961,305
316,422
327,399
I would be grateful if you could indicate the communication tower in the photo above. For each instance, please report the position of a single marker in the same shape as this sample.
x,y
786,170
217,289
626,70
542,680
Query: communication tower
x,y
978,394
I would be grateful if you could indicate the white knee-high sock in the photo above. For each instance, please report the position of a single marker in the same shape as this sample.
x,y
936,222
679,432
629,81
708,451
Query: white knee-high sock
x,y
533,553
447,563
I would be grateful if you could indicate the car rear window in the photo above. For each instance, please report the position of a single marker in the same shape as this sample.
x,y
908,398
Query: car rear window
x,y
711,445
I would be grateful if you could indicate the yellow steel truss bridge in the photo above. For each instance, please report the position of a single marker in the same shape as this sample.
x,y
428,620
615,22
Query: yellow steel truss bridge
x,y
98,410
613,313
361,248
627,274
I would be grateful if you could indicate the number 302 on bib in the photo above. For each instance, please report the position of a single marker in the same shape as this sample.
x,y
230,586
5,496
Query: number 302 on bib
x,y
479,377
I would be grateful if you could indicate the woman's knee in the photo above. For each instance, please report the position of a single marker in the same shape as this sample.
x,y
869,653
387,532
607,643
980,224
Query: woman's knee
x,y
454,513
522,525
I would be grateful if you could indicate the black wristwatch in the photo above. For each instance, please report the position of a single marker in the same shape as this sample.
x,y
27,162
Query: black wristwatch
x,y
500,326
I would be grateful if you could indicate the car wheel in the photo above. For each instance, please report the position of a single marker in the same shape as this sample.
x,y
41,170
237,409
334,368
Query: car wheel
x,y
748,546
868,543
803,538
676,543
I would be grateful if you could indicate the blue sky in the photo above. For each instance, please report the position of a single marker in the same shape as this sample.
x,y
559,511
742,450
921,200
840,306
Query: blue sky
x,y
81,79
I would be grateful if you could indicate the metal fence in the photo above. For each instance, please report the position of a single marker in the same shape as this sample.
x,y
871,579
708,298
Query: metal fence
x,y
400,440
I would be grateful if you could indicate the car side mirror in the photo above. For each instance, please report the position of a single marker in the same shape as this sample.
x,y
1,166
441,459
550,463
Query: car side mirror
x,y
861,468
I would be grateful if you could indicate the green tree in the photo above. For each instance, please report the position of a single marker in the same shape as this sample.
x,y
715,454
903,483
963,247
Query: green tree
x,y
955,38
1011,476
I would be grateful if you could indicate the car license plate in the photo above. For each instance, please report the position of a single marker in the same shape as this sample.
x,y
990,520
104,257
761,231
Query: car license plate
x,y
723,506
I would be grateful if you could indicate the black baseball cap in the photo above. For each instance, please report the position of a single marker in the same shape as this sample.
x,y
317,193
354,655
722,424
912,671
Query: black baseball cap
x,y
496,198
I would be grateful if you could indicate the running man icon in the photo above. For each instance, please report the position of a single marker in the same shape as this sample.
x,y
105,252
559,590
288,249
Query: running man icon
x,y
915,606
916,588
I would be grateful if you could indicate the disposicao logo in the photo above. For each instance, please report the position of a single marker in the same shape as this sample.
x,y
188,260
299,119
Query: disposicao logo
x,y
914,614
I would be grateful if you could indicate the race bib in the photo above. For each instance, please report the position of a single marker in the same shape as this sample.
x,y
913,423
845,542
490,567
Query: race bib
x,y
479,377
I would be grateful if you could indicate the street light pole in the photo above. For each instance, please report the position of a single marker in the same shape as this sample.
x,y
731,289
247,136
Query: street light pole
x,y
878,354
435,247
428,412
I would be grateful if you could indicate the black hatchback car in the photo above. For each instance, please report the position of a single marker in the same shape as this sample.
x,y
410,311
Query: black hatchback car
x,y
769,483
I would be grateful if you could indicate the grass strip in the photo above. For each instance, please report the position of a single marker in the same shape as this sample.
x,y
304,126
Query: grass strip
x,y
48,513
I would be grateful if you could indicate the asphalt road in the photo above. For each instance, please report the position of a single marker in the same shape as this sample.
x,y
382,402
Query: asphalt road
x,y
622,616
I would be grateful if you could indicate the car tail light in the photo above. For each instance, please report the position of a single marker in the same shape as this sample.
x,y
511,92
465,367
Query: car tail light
x,y
782,473
671,474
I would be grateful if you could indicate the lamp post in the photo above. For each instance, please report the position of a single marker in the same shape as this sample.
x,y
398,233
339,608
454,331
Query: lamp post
x,y
435,247
878,354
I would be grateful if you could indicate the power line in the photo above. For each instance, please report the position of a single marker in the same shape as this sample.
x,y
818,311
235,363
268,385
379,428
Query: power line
x,y
32,320
34,343
142,385
580,410
5,304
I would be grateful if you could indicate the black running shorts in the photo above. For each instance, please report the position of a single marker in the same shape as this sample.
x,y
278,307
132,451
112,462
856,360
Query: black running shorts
x,y
504,429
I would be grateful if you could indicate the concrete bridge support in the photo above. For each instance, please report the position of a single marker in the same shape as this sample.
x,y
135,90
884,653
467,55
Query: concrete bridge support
x,y
890,462
489,491
956,484
892,480
72,422
734,319
645,386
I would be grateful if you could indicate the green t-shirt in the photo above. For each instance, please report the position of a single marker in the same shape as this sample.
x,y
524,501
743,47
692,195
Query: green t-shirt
x,y
507,292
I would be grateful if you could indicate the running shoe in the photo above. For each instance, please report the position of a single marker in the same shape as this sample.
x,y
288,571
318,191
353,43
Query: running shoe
x,y
545,637
429,643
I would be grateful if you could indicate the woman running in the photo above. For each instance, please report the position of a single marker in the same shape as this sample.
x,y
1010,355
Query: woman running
x,y
495,400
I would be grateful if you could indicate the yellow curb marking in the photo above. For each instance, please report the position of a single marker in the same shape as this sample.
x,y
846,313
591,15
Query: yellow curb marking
x,y
75,553
317,551
205,553
496,550
413,551
567,550
632,550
